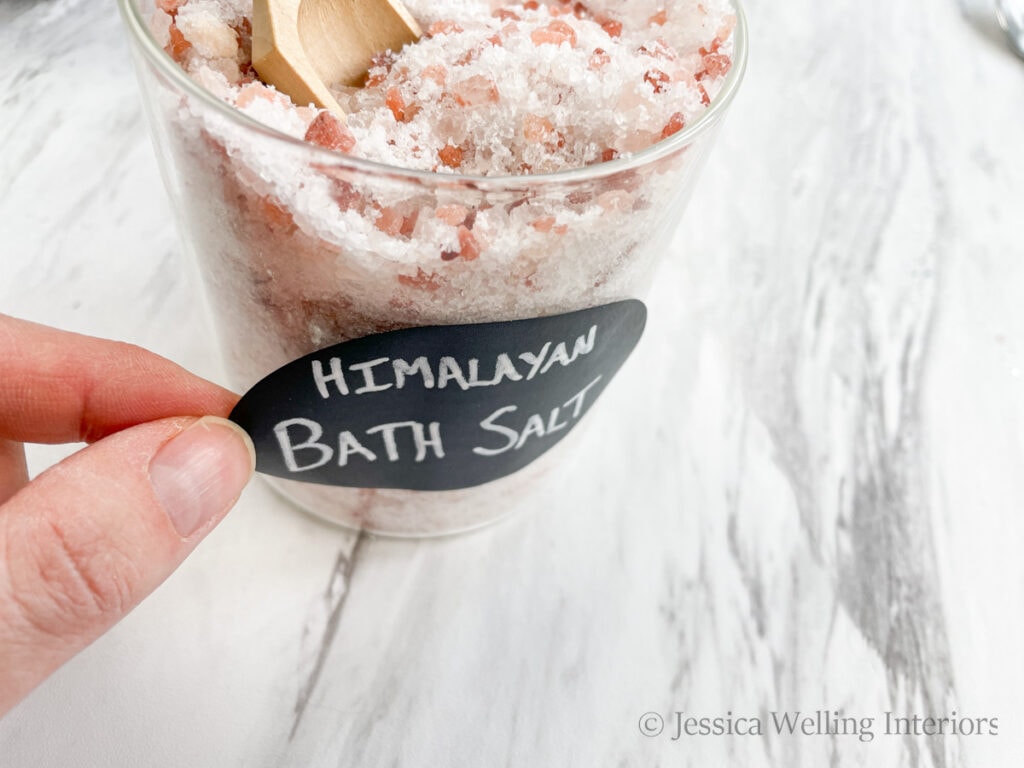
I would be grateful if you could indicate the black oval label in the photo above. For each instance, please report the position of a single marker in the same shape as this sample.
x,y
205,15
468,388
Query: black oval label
x,y
437,408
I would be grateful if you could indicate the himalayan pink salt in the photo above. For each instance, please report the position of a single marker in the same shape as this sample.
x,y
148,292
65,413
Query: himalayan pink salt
x,y
450,156
492,89
555,33
178,46
329,132
675,124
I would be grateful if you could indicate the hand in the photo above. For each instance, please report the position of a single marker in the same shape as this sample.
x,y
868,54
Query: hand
x,y
85,541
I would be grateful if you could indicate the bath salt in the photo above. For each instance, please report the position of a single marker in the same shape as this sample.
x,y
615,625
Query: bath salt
x,y
495,89
303,245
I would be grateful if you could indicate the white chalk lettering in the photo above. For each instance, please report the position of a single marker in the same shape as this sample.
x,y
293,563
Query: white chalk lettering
x,y
577,399
489,425
419,438
367,370
420,365
560,355
554,425
584,344
348,444
337,375
434,442
503,369
448,370
330,376
289,448
534,426
535,361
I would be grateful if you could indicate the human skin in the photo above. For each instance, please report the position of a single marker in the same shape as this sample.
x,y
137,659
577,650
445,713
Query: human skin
x,y
85,541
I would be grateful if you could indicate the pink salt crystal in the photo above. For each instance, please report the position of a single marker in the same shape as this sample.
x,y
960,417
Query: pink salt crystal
x,y
555,33
435,72
504,14
179,46
537,129
424,281
444,27
715,45
409,223
450,156
380,68
657,79
257,90
390,221
469,56
659,49
468,246
659,18
675,124
169,6
599,59
475,91
609,154
612,28
396,103
277,217
717,64
451,214
346,196
543,224
329,132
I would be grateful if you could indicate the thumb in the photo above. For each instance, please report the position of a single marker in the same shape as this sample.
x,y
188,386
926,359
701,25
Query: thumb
x,y
82,544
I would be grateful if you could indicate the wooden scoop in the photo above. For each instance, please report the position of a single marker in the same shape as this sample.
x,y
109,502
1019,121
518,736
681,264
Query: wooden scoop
x,y
302,46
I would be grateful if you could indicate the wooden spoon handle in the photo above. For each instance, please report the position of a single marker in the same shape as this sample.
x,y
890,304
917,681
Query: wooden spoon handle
x,y
341,36
280,58
303,46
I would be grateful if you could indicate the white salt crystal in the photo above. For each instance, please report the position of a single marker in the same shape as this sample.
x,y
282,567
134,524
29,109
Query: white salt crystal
x,y
211,37
160,26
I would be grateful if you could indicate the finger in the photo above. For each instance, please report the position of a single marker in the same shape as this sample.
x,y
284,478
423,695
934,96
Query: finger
x,y
60,387
91,536
13,469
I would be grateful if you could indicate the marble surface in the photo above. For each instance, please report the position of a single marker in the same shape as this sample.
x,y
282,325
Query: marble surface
x,y
814,504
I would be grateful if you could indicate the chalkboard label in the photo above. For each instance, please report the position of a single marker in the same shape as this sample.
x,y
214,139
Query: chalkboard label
x,y
437,408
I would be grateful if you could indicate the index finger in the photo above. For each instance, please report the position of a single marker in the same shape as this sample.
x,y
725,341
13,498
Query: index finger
x,y
58,387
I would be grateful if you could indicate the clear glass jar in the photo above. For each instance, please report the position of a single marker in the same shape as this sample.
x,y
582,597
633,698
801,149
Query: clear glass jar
x,y
300,248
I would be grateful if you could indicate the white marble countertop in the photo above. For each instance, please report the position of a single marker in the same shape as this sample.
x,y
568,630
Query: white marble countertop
x,y
817,505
